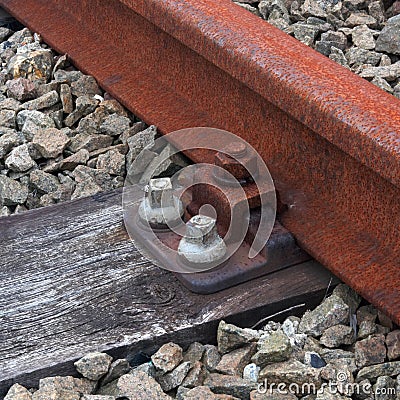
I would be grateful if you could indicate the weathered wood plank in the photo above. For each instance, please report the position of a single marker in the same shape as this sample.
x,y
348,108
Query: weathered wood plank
x,y
72,282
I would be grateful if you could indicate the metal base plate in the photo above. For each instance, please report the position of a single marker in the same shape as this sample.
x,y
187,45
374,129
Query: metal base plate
x,y
281,251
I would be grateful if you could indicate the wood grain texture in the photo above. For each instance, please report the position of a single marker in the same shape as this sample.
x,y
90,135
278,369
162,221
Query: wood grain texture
x,y
72,282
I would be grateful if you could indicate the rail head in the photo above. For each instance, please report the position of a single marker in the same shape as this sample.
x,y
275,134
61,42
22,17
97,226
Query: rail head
x,y
351,113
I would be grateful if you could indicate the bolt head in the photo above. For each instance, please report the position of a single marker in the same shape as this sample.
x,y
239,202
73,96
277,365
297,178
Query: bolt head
x,y
202,244
160,189
245,166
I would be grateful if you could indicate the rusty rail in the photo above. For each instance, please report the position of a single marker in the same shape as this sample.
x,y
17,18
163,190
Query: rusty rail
x,y
331,140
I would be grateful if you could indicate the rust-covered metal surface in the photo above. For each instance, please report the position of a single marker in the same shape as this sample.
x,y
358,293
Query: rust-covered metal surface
x,y
330,139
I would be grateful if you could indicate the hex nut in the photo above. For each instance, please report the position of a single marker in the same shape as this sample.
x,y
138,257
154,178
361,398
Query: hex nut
x,y
202,243
160,207
242,168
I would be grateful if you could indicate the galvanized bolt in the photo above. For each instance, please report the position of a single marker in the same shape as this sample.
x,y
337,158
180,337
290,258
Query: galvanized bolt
x,y
243,167
160,207
202,243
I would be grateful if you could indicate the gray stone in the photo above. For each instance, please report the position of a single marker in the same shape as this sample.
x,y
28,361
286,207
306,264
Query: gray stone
x,y
366,313
362,37
113,162
370,351
358,56
51,142
21,89
20,209
348,295
273,348
89,142
194,352
385,61
55,394
167,357
195,376
70,163
85,189
10,104
85,85
33,122
115,125
321,24
12,192
385,369
393,344
96,397
7,118
5,33
248,7
312,8
251,372
43,182
200,393
338,56
230,385
272,395
326,395
173,379
66,98
337,335
341,375
93,365
313,359
45,101
68,77
389,73
382,84
112,106
376,10
8,141
234,362
182,392
291,371
385,388
266,7
331,39
366,329
19,159
42,89
211,357
18,392
360,18
231,337
141,140
389,39
305,33
5,211
34,65
330,312
147,368
24,35
84,106
103,179
68,383
139,385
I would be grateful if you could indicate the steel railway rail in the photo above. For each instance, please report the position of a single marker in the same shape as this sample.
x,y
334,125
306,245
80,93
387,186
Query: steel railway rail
x,y
331,139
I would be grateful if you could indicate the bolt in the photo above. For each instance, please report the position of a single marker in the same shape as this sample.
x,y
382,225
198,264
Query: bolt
x,y
202,243
160,207
243,167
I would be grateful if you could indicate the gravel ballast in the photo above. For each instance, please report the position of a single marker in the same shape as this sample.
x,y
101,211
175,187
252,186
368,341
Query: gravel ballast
x,y
61,136
322,355
361,35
